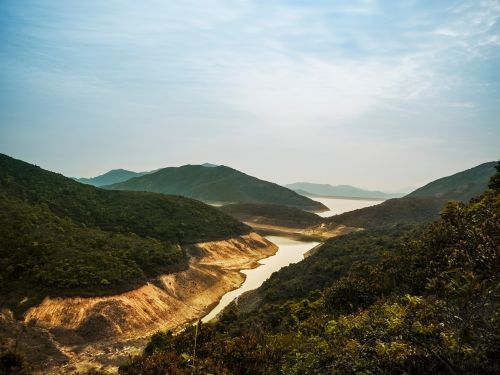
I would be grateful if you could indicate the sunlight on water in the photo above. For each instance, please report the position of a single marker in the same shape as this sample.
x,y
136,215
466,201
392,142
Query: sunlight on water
x,y
341,205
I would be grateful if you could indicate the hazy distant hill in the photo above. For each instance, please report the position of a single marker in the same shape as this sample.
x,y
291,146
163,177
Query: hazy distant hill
x,y
217,184
112,177
59,236
459,186
339,191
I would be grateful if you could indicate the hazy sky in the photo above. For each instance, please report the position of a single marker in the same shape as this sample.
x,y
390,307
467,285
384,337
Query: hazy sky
x,y
379,94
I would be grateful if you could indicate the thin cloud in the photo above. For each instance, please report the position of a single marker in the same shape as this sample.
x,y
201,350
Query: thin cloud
x,y
219,76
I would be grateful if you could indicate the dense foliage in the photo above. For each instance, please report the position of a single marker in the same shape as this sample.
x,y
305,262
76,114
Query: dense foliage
x,y
217,184
461,186
58,236
427,303
272,214
398,211
167,218
424,204
335,257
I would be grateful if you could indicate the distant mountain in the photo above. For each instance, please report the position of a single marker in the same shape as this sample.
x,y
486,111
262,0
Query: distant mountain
x,y
339,191
61,237
217,184
425,203
460,186
209,165
112,177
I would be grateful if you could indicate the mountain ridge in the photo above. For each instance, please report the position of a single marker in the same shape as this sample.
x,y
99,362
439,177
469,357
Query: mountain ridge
x,y
461,186
216,185
425,203
111,177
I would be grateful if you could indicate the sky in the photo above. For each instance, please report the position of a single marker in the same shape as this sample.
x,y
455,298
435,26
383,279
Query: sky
x,y
378,94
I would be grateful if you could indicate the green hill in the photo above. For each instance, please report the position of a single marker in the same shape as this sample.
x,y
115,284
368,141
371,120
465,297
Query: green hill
x,y
421,206
112,177
339,191
272,214
58,236
403,299
461,186
392,212
218,184
424,204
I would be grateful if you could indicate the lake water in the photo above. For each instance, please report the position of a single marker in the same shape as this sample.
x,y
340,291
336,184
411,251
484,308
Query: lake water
x,y
289,251
341,205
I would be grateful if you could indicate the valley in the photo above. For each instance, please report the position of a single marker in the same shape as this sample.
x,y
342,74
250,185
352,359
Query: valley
x,y
289,252
249,187
99,276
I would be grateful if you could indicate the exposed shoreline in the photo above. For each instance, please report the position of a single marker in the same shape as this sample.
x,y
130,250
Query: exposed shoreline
x,y
319,233
119,326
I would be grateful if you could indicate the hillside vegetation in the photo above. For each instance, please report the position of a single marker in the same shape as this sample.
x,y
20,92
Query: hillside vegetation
x,y
58,236
272,214
394,300
461,186
424,204
392,212
217,184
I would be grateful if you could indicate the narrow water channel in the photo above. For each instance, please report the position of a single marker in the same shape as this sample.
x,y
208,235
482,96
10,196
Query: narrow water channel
x,y
289,251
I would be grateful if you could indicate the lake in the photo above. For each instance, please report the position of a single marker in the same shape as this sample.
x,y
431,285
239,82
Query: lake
x,y
289,251
341,205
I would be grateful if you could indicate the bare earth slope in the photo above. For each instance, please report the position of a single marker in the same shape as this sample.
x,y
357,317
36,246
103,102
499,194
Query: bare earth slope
x,y
94,329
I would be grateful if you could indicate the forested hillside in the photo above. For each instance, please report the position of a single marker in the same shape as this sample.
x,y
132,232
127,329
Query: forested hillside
x,y
395,300
58,236
217,184
396,211
424,204
459,186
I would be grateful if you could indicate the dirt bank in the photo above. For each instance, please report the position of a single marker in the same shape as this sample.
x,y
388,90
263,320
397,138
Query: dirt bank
x,y
94,330
319,232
